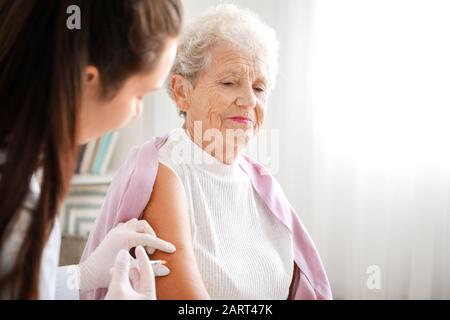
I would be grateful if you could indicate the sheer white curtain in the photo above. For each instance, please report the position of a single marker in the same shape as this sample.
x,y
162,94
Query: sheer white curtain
x,y
379,91
362,113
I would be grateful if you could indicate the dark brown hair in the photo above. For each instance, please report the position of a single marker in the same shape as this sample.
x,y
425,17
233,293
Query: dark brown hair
x,y
41,67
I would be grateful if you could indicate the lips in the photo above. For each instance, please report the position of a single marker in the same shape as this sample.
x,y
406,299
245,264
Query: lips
x,y
242,120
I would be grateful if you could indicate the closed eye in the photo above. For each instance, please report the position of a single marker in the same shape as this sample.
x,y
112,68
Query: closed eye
x,y
227,83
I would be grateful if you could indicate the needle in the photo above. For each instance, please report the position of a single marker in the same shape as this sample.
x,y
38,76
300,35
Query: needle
x,y
134,263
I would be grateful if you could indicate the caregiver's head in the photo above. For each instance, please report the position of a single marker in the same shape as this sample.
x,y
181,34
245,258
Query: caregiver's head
x,y
223,73
129,53
61,87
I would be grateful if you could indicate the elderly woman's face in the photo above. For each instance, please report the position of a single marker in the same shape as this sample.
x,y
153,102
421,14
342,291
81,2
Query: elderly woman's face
x,y
231,93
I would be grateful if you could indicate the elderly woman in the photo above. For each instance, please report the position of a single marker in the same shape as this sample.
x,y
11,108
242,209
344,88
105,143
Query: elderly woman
x,y
235,233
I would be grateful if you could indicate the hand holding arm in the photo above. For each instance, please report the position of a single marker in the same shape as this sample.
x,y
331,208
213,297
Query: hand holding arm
x,y
95,270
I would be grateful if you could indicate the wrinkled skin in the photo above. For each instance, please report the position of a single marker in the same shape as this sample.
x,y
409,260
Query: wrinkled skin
x,y
234,84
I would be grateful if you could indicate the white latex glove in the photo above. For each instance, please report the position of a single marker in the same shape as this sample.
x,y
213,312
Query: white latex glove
x,y
95,270
143,287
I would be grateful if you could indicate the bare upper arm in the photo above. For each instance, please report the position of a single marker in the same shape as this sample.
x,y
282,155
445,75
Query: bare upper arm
x,y
167,213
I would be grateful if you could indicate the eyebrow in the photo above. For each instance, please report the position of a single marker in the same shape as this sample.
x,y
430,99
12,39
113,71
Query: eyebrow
x,y
236,73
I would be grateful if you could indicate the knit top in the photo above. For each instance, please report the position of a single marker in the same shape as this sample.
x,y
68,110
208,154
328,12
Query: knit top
x,y
242,250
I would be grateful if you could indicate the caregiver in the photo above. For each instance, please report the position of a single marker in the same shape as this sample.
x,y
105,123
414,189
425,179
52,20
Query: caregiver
x,y
60,88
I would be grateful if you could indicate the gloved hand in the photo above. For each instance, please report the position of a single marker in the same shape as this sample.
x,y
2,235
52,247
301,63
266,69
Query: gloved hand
x,y
95,270
143,287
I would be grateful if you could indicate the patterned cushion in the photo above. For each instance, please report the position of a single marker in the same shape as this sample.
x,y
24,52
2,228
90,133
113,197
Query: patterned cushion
x,y
80,209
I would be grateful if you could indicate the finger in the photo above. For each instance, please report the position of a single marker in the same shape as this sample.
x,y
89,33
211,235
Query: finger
x,y
160,270
143,239
131,222
121,269
134,275
142,226
147,277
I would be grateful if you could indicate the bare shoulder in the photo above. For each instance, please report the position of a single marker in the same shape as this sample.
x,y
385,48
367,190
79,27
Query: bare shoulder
x,y
167,213
168,192
167,209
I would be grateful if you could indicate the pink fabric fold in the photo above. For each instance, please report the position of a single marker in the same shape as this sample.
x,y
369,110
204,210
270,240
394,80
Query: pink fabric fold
x,y
130,192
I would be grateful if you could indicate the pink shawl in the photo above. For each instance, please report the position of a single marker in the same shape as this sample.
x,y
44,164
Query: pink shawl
x,y
130,192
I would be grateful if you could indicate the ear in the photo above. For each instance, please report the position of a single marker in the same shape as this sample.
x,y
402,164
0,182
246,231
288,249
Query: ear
x,y
181,90
91,80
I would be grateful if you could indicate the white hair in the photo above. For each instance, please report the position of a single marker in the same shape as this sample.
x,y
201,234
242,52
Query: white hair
x,y
225,24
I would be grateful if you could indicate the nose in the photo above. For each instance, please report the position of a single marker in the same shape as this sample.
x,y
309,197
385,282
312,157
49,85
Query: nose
x,y
246,98
138,107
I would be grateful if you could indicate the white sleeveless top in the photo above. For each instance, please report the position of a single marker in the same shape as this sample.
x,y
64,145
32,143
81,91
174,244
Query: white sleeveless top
x,y
242,250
